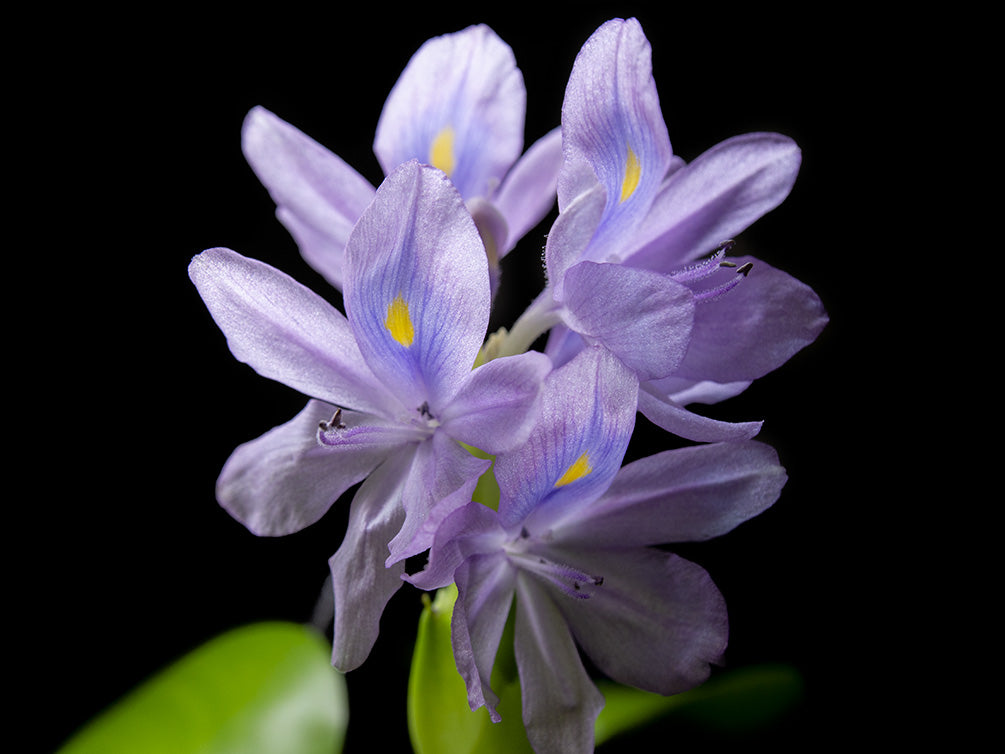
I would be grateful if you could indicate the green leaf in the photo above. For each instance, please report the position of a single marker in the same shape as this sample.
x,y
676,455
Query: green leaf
x,y
440,721
264,687
737,701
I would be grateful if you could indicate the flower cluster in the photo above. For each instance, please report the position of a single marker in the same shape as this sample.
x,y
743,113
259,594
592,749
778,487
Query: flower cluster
x,y
644,312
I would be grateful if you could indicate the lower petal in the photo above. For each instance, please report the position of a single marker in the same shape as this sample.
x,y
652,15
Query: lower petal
x,y
285,480
664,412
657,622
362,584
560,702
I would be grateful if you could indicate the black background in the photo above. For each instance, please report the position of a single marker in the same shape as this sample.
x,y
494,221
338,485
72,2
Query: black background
x,y
130,128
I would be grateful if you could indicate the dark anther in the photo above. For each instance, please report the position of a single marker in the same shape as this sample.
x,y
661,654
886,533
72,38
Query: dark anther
x,y
726,245
335,423
575,585
727,263
424,410
524,533
744,269
598,580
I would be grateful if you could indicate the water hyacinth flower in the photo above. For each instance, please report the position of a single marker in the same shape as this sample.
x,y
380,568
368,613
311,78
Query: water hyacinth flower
x,y
393,392
636,259
459,105
572,543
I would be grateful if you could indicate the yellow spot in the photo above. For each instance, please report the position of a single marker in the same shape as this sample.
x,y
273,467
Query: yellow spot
x,y
398,322
441,153
632,173
580,468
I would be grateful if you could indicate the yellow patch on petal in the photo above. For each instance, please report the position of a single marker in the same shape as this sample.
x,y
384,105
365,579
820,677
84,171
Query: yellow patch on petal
x,y
398,323
633,172
441,153
580,468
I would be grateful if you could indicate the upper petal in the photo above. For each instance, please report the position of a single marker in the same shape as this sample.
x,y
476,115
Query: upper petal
x,y
527,193
611,120
681,495
285,480
714,198
577,445
285,331
417,287
318,196
459,105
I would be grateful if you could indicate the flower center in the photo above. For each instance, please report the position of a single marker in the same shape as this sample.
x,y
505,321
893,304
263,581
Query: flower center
x,y
710,266
572,581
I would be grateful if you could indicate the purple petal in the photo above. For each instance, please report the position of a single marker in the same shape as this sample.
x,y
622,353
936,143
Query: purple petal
x,y
472,529
683,392
485,585
656,622
662,411
285,480
714,198
318,196
611,119
497,406
752,329
458,105
286,332
682,495
575,449
560,702
362,584
571,234
441,480
417,287
643,317
528,192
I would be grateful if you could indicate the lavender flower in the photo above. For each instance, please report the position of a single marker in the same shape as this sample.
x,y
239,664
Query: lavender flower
x,y
392,387
459,106
572,541
626,258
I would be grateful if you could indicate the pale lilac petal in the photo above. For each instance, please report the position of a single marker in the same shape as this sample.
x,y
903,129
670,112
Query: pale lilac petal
x,y
683,392
285,480
497,406
586,420
571,234
361,583
657,622
472,529
714,198
611,119
466,82
318,196
485,585
285,331
684,495
674,418
415,256
752,329
527,193
441,480
643,317
560,702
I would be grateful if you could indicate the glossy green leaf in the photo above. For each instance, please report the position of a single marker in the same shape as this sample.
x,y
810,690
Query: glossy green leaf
x,y
266,687
440,721
736,701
